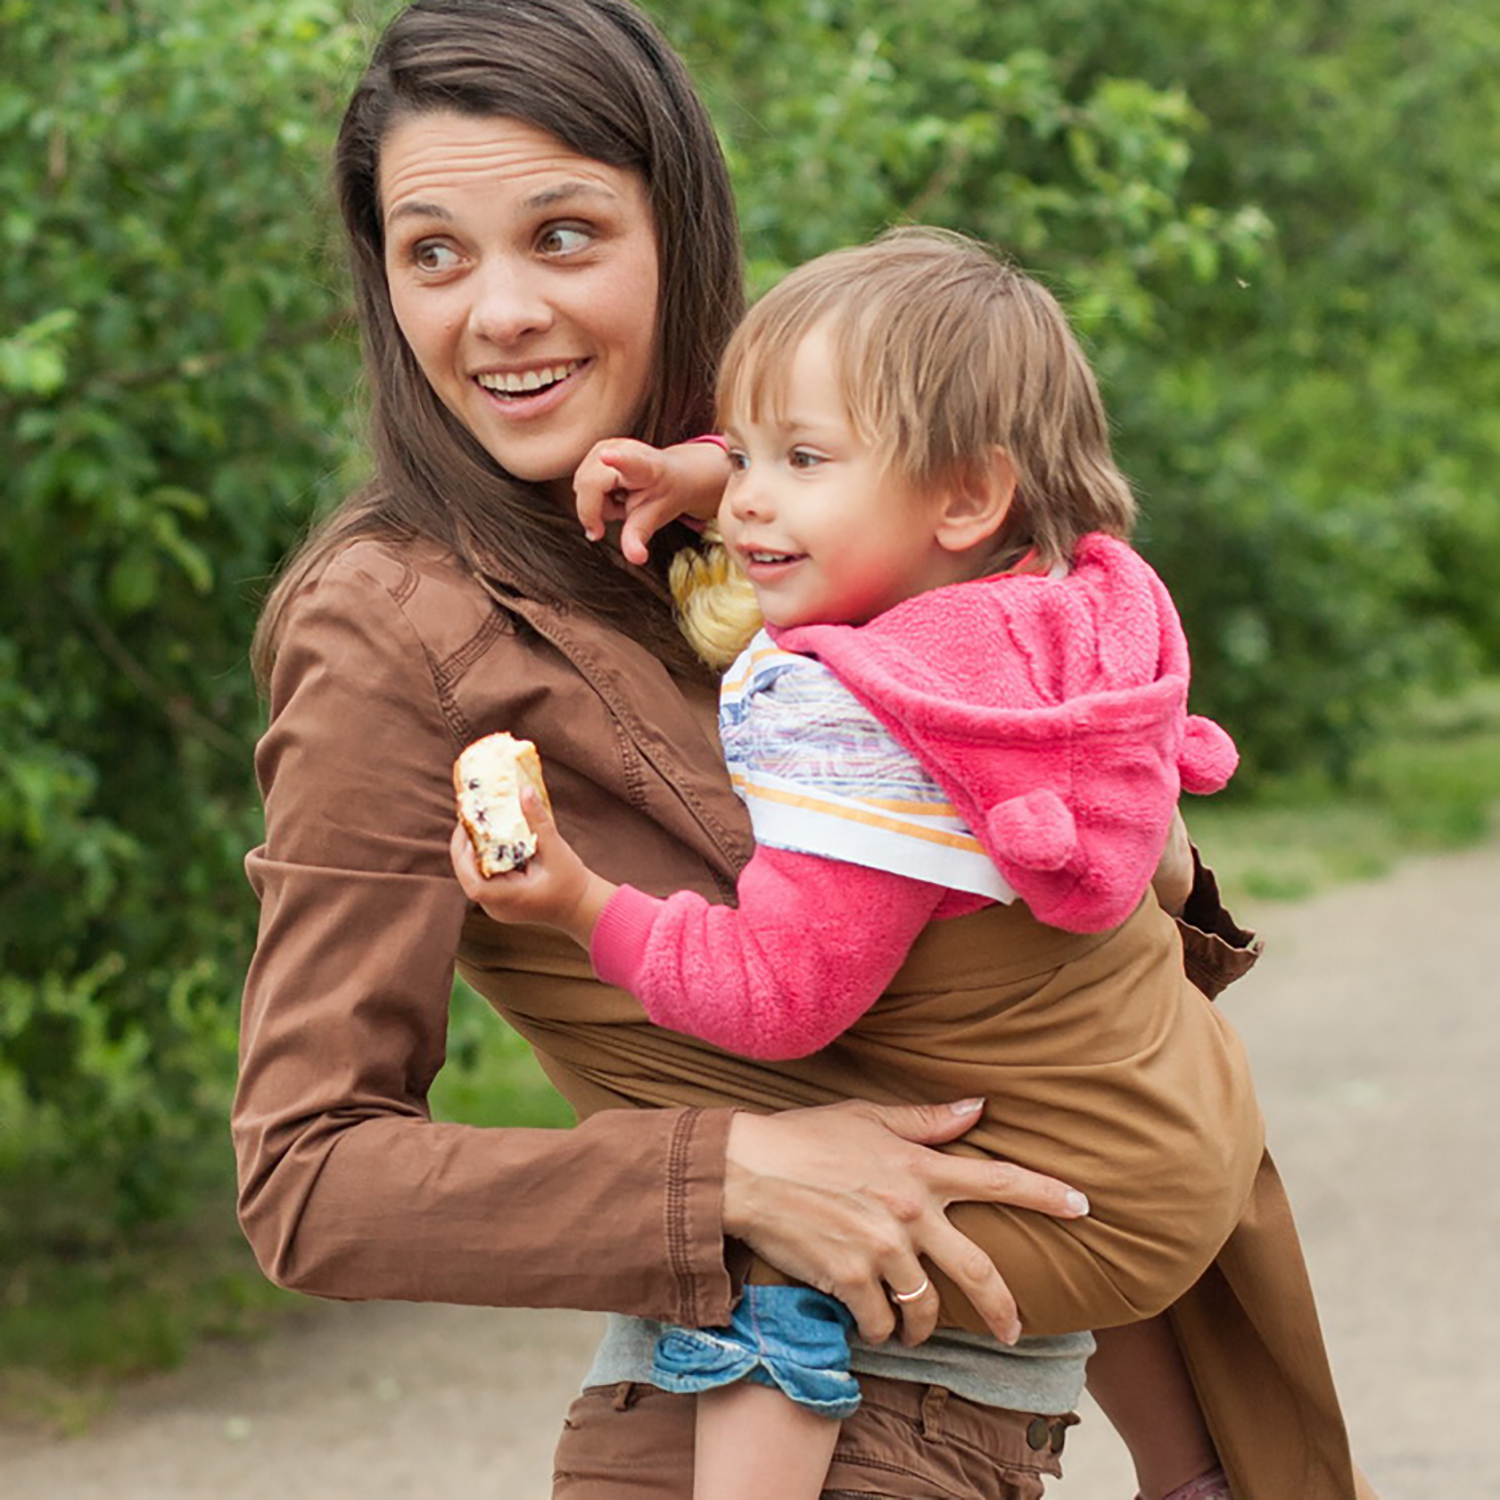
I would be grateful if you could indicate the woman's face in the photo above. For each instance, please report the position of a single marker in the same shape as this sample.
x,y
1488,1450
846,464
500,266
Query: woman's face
x,y
524,277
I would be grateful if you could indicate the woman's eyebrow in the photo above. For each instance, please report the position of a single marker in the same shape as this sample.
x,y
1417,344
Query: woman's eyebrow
x,y
411,209
562,192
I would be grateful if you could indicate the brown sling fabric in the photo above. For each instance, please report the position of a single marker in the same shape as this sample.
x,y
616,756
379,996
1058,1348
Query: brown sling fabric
x,y
1073,1034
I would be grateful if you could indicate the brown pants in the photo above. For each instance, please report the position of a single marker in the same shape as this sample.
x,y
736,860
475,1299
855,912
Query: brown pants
x,y
906,1442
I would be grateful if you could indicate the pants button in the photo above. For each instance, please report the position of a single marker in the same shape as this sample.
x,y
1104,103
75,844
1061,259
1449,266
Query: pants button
x,y
1038,1433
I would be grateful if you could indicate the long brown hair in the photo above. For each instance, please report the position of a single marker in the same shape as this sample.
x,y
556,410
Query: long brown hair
x,y
598,76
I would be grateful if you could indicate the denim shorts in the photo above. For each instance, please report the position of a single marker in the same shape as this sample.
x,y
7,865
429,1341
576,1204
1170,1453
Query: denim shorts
x,y
906,1442
790,1337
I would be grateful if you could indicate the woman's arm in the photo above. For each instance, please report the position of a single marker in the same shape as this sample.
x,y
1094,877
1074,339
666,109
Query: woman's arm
x,y
347,1188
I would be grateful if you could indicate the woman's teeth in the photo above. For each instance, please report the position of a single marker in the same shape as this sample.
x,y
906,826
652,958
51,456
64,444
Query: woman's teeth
x,y
526,382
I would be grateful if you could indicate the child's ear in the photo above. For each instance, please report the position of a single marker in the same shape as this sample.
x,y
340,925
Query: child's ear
x,y
976,503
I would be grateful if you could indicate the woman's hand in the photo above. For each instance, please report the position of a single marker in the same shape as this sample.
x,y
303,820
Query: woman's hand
x,y
1173,880
555,889
622,479
849,1197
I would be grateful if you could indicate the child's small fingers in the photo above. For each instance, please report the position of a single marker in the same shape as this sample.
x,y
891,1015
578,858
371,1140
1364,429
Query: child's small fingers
x,y
465,866
596,496
642,524
536,812
637,464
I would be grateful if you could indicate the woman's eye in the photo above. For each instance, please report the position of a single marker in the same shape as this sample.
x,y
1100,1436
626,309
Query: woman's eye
x,y
433,255
564,239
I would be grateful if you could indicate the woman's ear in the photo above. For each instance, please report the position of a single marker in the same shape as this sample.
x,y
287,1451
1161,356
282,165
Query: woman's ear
x,y
976,503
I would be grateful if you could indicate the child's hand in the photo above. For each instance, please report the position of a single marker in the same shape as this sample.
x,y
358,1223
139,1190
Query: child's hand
x,y
556,889
622,479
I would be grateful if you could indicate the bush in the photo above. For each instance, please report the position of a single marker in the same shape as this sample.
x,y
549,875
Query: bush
x,y
174,392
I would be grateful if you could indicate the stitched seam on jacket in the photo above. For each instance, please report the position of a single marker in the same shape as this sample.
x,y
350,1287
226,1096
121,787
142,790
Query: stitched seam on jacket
x,y
677,1214
407,585
472,649
632,765
457,721
399,593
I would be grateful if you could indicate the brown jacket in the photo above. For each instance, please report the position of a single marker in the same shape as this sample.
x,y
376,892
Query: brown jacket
x,y
392,660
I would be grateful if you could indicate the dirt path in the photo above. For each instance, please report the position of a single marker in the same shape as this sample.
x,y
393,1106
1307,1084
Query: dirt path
x,y
1375,1029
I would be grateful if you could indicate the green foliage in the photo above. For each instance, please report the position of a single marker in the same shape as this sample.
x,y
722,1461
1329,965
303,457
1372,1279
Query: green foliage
x,y
1287,273
173,389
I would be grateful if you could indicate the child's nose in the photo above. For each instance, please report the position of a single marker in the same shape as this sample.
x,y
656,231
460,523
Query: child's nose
x,y
746,496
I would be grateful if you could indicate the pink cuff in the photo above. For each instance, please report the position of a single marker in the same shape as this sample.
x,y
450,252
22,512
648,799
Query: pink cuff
x,y
717,439
618,947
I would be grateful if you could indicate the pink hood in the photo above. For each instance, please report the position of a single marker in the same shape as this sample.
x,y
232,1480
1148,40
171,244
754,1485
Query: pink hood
x,y
1053,711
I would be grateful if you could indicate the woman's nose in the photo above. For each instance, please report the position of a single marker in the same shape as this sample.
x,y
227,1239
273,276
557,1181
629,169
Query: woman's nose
x,y
510,302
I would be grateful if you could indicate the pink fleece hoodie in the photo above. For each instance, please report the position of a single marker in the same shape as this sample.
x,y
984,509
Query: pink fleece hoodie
x,y
1051,710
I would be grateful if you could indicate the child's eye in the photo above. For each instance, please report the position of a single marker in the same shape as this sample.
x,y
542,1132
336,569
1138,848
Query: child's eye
x,y
804,458
563,239
433,255
739,460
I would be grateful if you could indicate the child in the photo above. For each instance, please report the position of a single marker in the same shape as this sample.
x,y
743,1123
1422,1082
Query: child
x,y
970,693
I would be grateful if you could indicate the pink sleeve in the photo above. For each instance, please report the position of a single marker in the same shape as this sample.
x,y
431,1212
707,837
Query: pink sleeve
x,y
809,949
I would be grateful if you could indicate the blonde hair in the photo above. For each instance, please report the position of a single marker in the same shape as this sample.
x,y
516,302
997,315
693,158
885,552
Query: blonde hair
x,y
942,352
716,605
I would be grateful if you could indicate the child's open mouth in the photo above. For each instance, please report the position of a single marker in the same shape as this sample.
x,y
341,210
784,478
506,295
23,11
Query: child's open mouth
x,y
762,564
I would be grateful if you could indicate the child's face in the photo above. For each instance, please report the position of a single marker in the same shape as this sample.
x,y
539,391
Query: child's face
x,y
826,533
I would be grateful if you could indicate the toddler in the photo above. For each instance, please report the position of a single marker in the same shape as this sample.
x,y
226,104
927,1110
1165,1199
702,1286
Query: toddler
x,y
968,698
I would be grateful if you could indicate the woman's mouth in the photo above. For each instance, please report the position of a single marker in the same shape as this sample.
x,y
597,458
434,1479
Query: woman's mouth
x,y
522,392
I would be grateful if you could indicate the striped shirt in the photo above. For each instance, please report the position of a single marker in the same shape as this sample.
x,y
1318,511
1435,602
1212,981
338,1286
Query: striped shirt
x,y
821,775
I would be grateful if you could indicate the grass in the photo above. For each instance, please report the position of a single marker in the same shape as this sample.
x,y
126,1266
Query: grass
x,y
77,1319
1431,784
74,1325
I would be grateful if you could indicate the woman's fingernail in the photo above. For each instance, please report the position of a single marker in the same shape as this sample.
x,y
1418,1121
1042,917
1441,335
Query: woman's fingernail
x,y
967,1106
1011,1334
1078,1203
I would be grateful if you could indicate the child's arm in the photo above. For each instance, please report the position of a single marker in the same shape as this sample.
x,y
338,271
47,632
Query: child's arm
x,y
554,888
623,479
810,947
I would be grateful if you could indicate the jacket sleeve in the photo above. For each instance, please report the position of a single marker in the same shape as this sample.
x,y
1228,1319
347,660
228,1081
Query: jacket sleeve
x,y
1216,950
811,946
347,1188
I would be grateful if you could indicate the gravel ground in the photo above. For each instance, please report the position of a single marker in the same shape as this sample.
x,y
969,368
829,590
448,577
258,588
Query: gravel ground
x,y
1376,1037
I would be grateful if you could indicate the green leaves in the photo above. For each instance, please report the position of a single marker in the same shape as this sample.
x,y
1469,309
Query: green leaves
x,y
33,360
171,402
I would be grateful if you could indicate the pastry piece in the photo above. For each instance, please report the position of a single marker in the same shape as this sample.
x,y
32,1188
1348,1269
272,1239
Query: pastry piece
x,y
488,779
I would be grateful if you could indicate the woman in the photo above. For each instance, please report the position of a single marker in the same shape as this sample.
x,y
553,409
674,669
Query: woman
x,y
545,255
